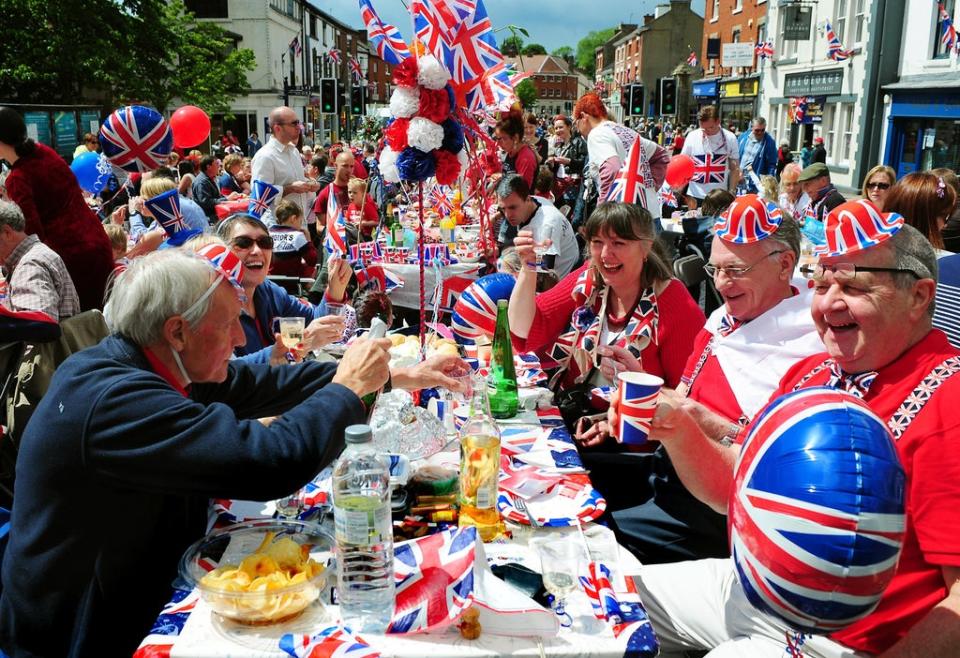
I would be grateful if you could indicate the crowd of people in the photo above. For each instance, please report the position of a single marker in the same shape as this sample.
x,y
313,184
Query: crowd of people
x,y
192,394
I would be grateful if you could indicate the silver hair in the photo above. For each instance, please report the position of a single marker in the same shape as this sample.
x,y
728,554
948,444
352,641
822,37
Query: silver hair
x,y
156,287
787,235
913,251
12,216
761,121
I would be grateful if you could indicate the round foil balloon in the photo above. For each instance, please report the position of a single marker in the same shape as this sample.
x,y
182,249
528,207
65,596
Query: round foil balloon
x,y
817,516
475,312
136,138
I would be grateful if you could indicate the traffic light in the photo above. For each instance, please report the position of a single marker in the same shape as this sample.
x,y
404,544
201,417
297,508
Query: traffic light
x,y
328,96
358,105
342,97
636,100
668,96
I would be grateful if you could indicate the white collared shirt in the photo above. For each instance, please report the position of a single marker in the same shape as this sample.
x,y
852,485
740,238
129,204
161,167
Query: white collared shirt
x,y
281,164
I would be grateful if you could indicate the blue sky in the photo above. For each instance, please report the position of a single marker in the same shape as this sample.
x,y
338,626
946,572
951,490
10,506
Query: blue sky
x,y
551,24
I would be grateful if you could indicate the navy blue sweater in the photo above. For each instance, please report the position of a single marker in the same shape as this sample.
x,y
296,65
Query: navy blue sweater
x,y
113,478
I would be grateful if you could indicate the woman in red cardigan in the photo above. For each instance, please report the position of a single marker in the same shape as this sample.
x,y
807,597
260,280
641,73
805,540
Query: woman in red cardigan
x,y
41,183
623,297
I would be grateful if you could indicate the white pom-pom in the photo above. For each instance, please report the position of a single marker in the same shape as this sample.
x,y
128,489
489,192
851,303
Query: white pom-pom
x,y
404,102
432,74
388,165
424,134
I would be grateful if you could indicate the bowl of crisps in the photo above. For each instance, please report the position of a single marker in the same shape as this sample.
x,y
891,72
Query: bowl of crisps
x,y
259,572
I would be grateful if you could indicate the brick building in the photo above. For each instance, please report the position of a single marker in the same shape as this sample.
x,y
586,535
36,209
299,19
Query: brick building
x,y
556,84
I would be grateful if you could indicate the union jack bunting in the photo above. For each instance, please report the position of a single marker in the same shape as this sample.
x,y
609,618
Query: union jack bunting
x,y
335,242
857,225
434,580
764,49
262,195
749,219
792,545
667,196
835,49
902,417
631,183
332,642
295,45
334,55
376,277
949,36
692,59
136,138
355,69
709,168
386,38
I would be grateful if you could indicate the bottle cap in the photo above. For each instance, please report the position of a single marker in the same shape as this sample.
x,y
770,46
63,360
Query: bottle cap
x,y
358,434
503,303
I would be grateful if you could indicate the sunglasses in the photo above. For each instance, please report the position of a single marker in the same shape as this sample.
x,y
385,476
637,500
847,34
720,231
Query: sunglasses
x,y
878,186
246,242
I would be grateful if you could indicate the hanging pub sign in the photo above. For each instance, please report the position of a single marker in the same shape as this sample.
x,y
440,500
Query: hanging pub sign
x,y
797,21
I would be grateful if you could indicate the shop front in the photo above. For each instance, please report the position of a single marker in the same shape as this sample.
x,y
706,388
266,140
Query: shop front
x,y
807,95
705,92
923,129
738,102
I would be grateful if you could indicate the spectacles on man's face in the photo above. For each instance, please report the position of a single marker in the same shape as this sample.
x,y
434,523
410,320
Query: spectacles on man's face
x,y
736,272
846,272
295,122
878,186
246,242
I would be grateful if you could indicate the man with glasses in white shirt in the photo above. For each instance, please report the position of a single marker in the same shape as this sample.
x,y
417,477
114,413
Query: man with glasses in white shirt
x,y
279,162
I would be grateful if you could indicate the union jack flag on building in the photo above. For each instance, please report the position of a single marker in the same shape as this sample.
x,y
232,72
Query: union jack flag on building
x,y
709,168
835,49
949,33
434,579
334,55
386,38
355,69
692,59
634,177
599,87
764,49
799,108
295,45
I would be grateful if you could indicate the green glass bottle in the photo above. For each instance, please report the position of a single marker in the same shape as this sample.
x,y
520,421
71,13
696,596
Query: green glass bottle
x,y
502,384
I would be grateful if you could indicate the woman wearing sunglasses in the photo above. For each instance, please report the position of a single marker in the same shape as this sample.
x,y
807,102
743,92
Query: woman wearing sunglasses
x,y
877,184
250,240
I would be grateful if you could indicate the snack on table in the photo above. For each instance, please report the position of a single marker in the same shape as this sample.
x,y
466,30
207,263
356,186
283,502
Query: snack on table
x,y
469,624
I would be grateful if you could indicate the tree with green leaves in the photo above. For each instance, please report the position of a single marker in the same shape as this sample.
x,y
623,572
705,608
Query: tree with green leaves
x,y
586,47
565,53
110,52
527,94
533,49
512,45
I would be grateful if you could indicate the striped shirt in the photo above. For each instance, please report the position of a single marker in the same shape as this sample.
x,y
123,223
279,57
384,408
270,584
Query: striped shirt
x,y
38,281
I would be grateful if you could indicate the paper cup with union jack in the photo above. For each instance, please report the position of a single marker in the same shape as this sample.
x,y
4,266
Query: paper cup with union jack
x,y
638,394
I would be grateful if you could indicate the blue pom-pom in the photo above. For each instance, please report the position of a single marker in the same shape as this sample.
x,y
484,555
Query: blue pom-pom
x,y
452,136
415,165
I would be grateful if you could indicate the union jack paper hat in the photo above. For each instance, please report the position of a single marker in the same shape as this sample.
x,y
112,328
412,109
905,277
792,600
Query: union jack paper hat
x,y
225,263
262,195
165,207
857,225
749,219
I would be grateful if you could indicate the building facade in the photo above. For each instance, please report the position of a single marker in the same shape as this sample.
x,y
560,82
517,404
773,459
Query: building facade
x,y
556,83
921,108
838,101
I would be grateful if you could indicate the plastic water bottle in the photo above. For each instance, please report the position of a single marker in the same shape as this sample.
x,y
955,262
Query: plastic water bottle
x,y
364,534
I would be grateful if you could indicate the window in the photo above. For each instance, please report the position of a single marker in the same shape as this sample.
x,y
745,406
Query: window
x,y
715,14
737,6
939,50
840,20
283,6
859,21
313,26
787,47
207,8
827,130
735,35
775,121
847,143
376,66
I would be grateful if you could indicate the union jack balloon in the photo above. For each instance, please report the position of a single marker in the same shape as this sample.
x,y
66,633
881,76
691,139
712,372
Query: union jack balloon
x,y
136,138
475,313
262,195
749,219
816,515
857,225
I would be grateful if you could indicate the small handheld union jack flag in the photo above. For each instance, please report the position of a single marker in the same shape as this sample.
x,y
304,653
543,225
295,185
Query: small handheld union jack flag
x,y
630,185
441,202
764,49
667,196
835,49
335,241
262,195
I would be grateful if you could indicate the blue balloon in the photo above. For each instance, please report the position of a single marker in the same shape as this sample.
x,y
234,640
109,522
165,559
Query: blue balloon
x,y
92,171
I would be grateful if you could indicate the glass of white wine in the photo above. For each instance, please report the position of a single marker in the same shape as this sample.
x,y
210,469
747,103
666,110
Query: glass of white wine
x,y
291,331
561,561
540,250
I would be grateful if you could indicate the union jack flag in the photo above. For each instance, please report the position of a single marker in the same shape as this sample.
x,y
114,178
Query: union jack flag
x,y
763,49
262,195
295,45
386,38
136,138
949,36
599,87
636,410
667,196
434,579
335,242
332,642
439,195
631,183
709,168
525,480
355,69
168,626
376,277
435,22
474,56
165,208
334,55
799,108
749,219
857,225
692,59
451,289
835,49
791,544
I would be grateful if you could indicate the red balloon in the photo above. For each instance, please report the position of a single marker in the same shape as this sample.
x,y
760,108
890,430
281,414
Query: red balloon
x,y
190,125
679,171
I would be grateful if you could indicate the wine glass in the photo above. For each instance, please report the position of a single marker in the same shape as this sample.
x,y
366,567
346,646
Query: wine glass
x,y
540,250
291,331
561,562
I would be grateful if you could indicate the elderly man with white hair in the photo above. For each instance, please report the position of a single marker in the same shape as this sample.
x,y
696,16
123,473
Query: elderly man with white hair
x,y
136,434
